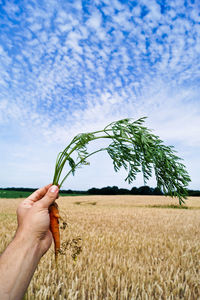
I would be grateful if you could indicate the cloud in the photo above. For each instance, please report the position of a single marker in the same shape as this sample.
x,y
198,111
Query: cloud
x,y
71,67
94,21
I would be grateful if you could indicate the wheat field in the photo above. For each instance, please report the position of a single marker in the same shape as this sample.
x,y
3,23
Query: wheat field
x,y
131,247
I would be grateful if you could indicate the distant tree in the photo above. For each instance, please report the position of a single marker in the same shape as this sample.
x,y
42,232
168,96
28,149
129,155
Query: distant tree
x,y
115,190
134,191
124,192
66,192
93,191
193,193
145,190
109,190
157,191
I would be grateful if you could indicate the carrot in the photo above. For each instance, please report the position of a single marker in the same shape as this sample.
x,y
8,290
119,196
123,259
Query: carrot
x,y
133,147
54,227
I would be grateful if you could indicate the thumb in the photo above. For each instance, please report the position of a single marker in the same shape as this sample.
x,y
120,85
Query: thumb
x,y
50,196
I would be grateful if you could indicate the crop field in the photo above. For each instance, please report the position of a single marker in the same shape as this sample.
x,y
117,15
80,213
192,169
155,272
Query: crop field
x,y
23,194
131,247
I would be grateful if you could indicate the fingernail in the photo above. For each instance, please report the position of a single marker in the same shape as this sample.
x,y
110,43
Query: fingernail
x,y
54,189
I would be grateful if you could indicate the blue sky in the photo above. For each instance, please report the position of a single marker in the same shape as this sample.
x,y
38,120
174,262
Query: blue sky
x,y
74,66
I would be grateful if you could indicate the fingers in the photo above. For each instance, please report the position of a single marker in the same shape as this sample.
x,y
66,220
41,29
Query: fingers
x,y
37,195
50,196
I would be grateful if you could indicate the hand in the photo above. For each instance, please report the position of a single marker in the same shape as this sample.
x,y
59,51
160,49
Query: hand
x,y
33,217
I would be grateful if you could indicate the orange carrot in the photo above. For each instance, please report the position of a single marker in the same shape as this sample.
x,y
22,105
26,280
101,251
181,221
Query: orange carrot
x,y
54,227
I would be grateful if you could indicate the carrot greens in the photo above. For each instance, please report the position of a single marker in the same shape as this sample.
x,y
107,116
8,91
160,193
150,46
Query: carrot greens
x,y
133,147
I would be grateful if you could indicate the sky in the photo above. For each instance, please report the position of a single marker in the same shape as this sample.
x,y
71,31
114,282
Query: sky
x,y
74,66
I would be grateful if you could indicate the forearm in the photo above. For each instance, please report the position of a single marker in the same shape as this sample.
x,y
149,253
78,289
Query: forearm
x,y
17,266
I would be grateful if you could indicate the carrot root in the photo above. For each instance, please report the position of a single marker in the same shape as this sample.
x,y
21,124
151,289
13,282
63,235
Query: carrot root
x,y
54,227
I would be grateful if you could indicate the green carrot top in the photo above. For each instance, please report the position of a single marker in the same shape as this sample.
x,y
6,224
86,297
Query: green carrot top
x,y
133,147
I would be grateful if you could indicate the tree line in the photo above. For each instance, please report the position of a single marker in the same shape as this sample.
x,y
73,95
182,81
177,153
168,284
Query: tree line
x,y
110,190
142,190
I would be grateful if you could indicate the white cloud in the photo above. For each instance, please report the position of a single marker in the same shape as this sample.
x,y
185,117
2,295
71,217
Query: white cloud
x,y
94,22
35,27
154,8
11,9
77,71
65,27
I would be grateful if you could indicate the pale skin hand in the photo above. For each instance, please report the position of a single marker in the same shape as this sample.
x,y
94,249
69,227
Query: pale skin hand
x,y
32,239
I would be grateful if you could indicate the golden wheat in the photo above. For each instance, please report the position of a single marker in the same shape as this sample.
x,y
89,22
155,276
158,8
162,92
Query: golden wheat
x,y
130,249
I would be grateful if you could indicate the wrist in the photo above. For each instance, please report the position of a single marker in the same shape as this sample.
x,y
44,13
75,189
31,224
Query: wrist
x,y
28,243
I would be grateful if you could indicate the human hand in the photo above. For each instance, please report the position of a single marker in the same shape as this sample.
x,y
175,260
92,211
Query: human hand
x,y
33,217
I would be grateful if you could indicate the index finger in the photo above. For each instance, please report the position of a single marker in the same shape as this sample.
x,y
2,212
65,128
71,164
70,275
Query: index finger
x,y
38,194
